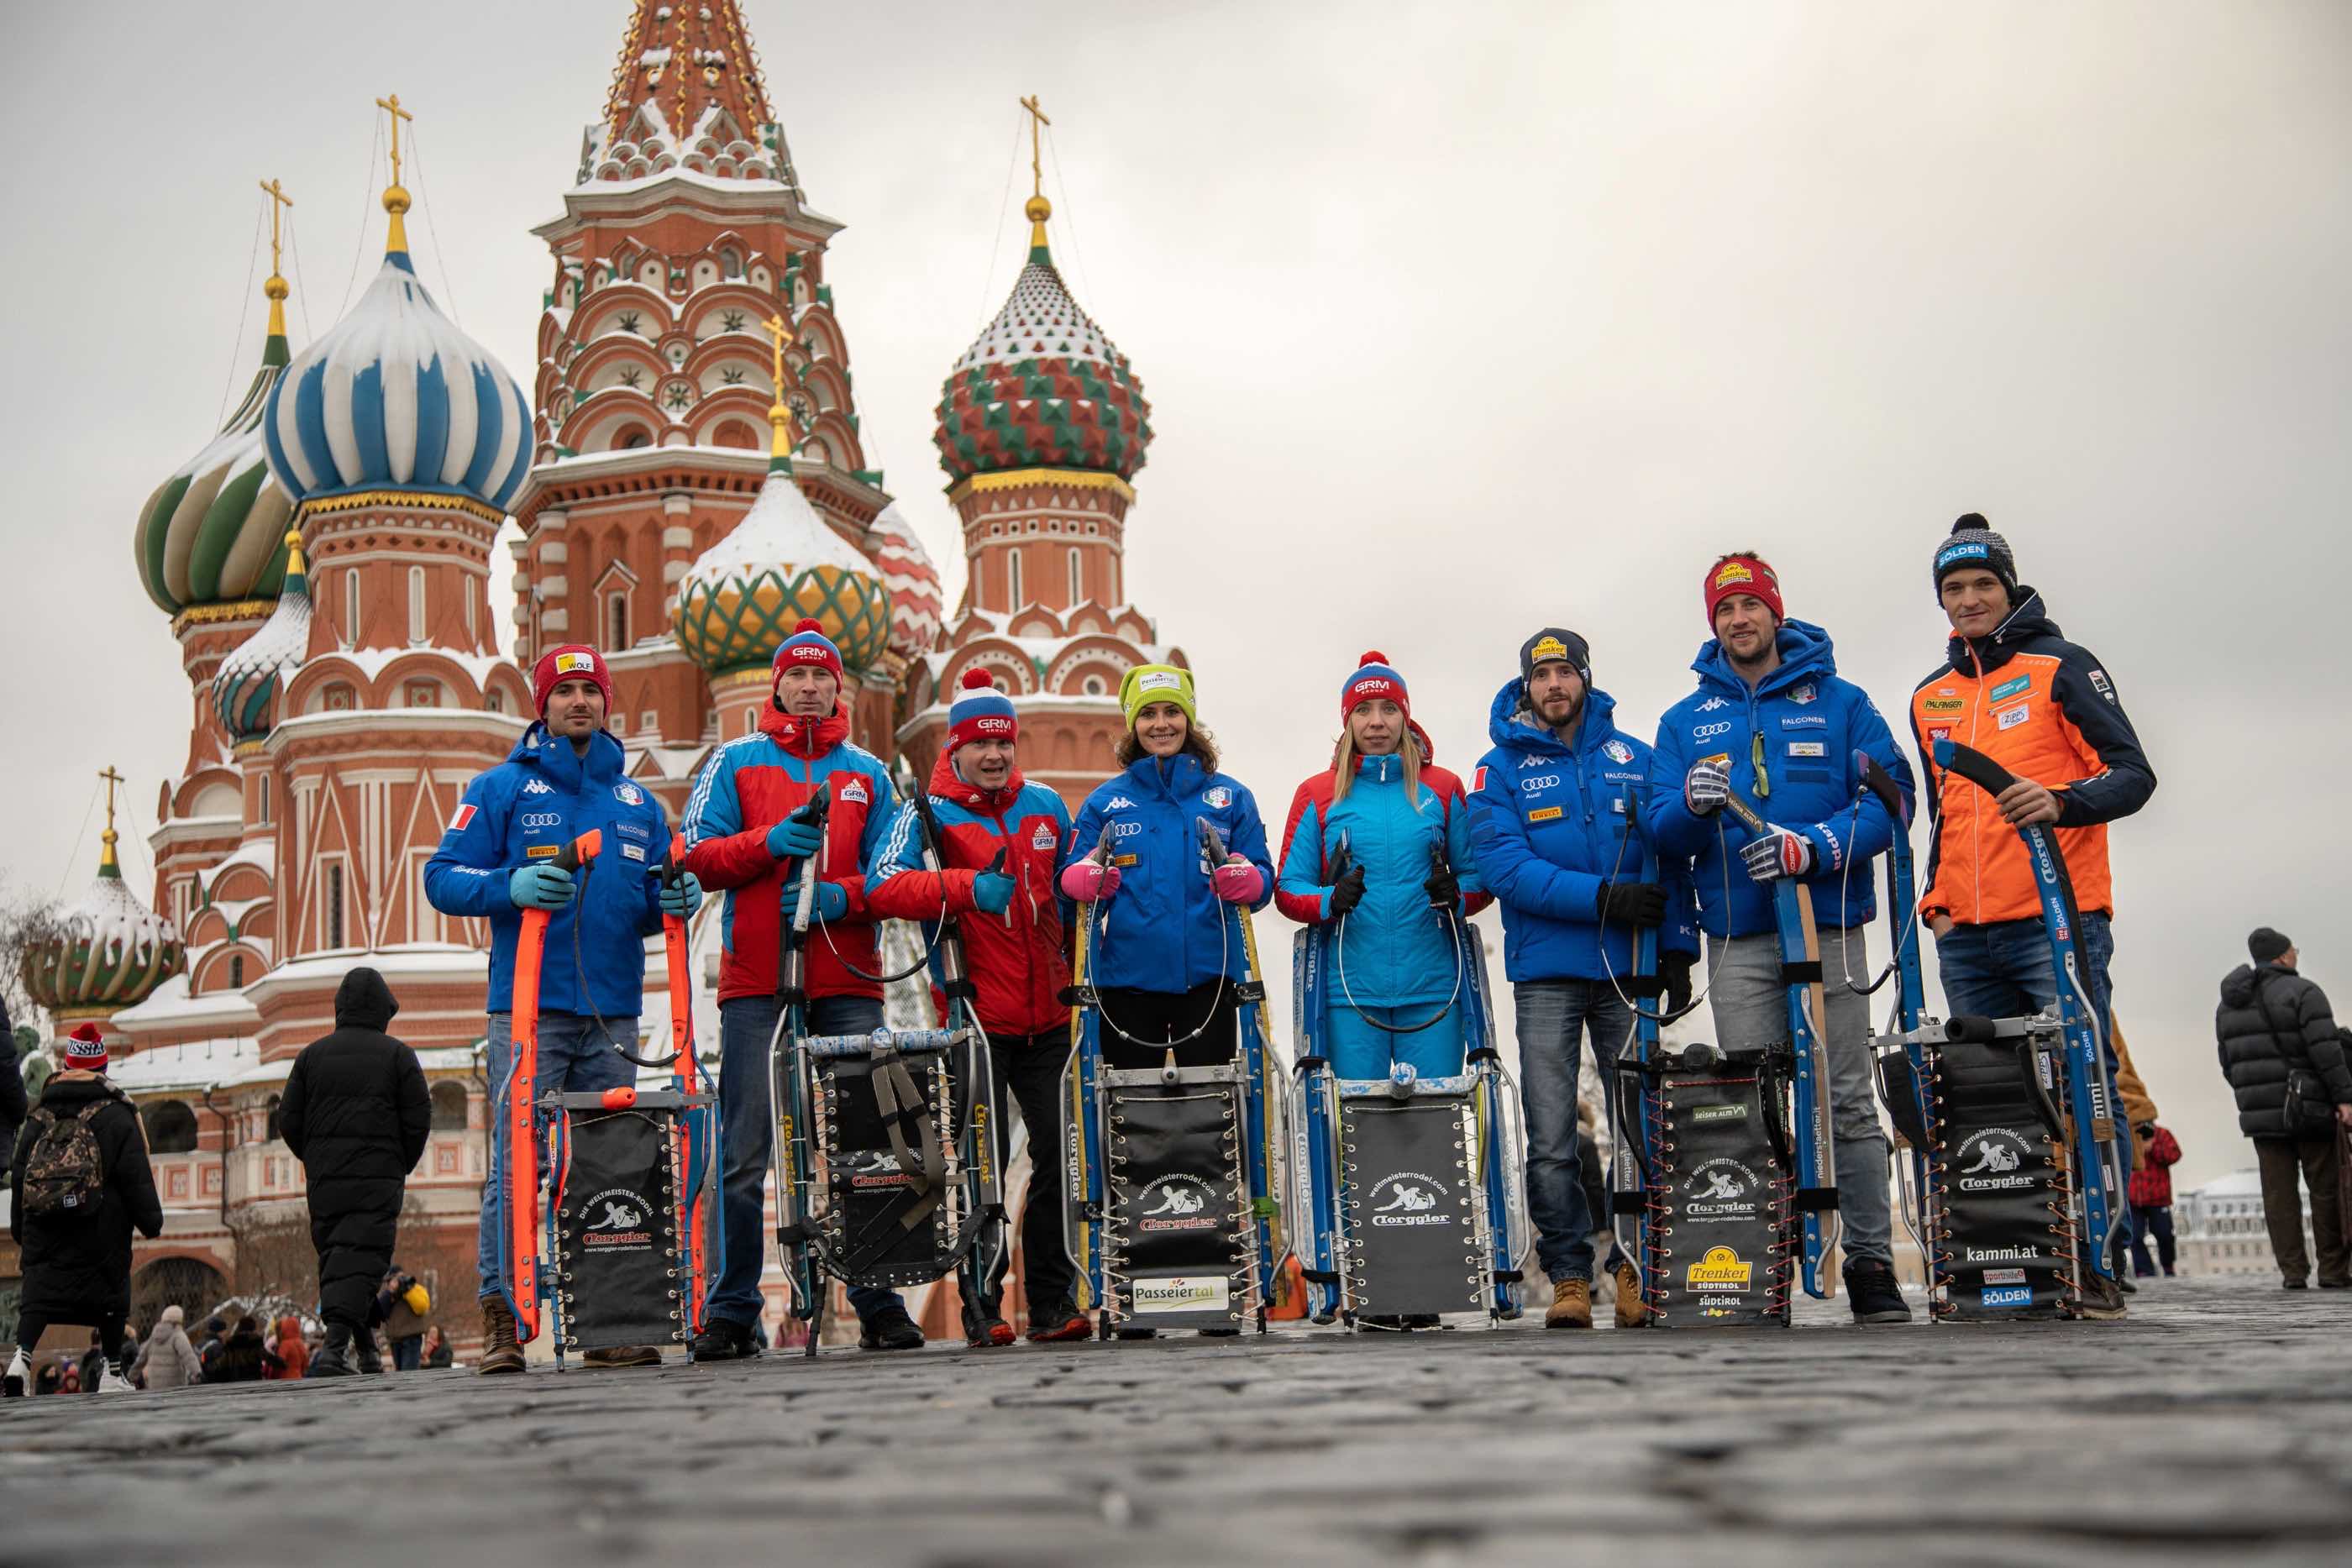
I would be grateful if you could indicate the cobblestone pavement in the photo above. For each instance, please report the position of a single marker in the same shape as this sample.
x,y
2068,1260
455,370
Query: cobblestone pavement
x,y
2215,1426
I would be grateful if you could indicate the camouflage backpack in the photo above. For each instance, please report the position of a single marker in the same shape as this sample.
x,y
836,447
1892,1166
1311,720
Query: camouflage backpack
x,y
64,1175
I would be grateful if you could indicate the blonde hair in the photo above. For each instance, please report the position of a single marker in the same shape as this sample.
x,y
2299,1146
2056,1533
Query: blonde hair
x,y
1343,765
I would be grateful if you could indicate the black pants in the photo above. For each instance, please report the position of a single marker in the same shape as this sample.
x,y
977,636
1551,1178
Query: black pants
x,y
354,1255
1151,1020
2282,1160
31,1325
2147,1223
1029,1077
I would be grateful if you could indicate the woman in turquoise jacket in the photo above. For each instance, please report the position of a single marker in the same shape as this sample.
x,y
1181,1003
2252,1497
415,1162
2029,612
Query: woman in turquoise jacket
x,y
1398,898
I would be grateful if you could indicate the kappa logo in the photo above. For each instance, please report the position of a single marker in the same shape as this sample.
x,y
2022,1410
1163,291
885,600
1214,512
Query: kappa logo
x,y
1713,703
1616,750
1408,1198
628,794
537,787
1709,731
1216,798
462,820
1118,803
1174,1203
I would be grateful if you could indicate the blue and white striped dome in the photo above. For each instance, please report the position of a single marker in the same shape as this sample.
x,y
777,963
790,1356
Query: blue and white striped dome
x,y
396,398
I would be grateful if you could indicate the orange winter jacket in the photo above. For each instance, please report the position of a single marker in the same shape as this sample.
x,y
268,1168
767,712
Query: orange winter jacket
x,y
2042,707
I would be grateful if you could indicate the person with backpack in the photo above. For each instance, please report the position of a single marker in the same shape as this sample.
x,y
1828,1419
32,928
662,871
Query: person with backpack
x,y
2290,1067
356,1113
242,1358
2151,1198
81,1183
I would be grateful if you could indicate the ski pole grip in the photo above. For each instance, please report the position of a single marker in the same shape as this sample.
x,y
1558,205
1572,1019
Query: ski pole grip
x,y
1973,766
670,867
815,807
584,848
1881,783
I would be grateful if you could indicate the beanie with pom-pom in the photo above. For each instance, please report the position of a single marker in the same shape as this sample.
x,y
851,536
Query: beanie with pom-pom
x,y
980,712
1972,542
809,648
1373,676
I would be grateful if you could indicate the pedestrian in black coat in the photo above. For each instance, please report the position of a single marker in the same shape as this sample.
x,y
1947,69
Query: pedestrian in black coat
x,y
13,1104
356,1114
77,1266
2291,1070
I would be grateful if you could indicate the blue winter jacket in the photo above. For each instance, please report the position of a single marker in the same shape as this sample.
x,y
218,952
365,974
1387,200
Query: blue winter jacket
x,y
1167,929
1789,744
1396,948
1550,820
540,798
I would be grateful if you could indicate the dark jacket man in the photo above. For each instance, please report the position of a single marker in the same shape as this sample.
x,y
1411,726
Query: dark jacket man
x,y
13,1104
2276,1032
356,1114
77,1268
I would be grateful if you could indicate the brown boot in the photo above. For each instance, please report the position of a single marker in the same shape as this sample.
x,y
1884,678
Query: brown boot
x,y
1632,1311
500,1353
1572,1305
623,1356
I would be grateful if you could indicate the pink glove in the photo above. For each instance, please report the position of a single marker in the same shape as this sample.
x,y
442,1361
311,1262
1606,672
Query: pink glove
x,y
1238,882
1089,881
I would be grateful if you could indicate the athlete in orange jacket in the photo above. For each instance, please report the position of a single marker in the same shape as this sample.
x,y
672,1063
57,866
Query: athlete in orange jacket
x,y
2042,707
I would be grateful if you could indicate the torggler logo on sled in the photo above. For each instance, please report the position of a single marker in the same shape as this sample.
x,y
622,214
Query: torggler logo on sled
x,y
1175,1203
618,1225
1408,1198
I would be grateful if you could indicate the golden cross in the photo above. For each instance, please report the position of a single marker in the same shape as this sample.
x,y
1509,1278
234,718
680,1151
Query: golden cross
x,y
277,197
1036,166
105,849
398,114
778,330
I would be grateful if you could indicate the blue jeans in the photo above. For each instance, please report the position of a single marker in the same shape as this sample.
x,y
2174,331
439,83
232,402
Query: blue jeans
x,y
747,1137
2003,971
1361,1050
574,1057
1553,1016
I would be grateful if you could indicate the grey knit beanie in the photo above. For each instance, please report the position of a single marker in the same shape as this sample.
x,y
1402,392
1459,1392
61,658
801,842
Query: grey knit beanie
x,y
1973,543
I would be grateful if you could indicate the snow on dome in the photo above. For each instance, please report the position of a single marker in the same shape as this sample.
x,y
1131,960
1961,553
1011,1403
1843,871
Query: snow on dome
x,y
917,607
396,398
246,686
780,563
211,532
109,950
1042,387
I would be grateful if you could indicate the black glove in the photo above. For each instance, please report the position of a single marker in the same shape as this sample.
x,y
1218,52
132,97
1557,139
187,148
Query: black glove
x,y
1347,892
1631,903
1444,889
1675,969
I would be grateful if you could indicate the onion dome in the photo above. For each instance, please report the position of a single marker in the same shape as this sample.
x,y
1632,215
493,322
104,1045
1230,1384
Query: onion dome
x,y
1042,388
779,565
246,686
396,398
108,951
210,534
918,606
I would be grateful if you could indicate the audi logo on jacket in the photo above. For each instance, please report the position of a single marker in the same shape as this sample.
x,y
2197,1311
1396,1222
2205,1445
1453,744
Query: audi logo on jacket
x,y
1016,960
747,788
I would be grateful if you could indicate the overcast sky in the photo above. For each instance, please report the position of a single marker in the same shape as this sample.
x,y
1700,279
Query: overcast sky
x,y
1457,319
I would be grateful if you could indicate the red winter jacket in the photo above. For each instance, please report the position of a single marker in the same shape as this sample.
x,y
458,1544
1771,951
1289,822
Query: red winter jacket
x,y
1018,959
747,788
2151,1183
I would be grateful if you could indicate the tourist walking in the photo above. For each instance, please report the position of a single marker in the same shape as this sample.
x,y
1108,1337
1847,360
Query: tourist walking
x,y
2286,1062
167,1360
2151,1198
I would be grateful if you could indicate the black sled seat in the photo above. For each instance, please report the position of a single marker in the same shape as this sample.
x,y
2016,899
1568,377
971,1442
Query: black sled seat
x,y
625,1250
1177,1251
1720,1244
1414,1198
2000,1198
895,1194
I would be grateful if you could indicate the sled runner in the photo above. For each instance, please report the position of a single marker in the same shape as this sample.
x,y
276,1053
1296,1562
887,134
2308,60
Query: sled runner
x,y
885,1174
1408,1186
1815,1195
1174,1218
1904,1086
1631,1218
2023,1180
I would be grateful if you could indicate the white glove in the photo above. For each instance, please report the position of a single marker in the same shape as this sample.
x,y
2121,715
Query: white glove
x,y
1777,853
1706,786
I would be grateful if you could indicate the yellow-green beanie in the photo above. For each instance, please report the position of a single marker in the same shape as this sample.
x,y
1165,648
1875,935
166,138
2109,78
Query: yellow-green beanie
x,y
1157,684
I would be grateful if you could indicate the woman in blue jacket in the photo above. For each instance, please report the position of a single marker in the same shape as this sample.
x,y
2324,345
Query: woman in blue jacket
x,y
1397,896
1166,954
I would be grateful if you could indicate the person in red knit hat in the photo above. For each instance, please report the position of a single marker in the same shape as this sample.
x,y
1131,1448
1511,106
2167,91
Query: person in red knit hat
x,y
741,839
999,838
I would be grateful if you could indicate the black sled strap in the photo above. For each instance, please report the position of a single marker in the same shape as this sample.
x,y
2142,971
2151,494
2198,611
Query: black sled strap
x,y
901,1102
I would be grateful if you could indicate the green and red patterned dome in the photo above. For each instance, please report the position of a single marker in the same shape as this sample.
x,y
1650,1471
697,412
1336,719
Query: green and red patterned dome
x,y
108,952
1044,387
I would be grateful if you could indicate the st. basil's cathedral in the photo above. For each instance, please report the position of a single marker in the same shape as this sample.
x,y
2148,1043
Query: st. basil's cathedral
x,y
686,471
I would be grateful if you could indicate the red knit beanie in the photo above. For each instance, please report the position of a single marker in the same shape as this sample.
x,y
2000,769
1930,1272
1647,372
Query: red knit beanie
x,y
571,662
1750,574
807,646
980,712
1374,678
85,1049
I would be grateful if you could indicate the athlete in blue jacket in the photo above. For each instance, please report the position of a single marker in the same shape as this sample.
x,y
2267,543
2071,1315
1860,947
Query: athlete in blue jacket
x,y
562,778
1409,884
1555,818
1772,719
1164,952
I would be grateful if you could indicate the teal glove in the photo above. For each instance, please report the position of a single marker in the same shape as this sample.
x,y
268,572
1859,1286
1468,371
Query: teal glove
x,y
991,893
540,886
832,901
683,898
793,840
